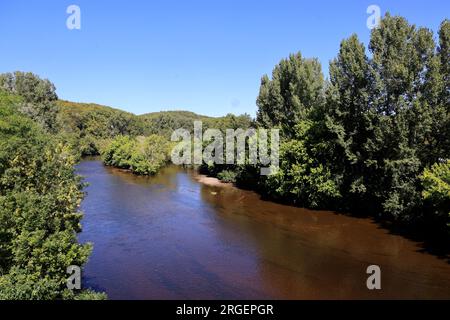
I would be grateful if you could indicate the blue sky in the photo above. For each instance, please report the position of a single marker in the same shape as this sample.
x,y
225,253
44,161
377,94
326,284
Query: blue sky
x,y
203,56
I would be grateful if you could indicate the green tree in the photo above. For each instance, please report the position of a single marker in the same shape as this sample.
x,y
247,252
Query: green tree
x,y
120,152
152,153
301,178
442,131
39,219
141,155
296,87
403,58
345,129
38,95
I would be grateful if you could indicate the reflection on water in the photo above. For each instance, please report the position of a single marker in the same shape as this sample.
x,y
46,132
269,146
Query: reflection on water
x,y
170,237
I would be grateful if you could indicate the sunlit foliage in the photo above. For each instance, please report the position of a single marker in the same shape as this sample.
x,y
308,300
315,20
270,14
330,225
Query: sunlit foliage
x,y
39,218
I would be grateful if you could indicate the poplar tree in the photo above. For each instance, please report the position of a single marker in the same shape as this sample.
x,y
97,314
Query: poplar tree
x,y
295,88
349,121
403,60
443,131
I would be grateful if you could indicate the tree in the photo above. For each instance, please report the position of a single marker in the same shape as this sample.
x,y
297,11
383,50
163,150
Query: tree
x,y
38,95
403,63
345,127
39,219
301,178
443,130
120,152
152,153
141,155
384,119
295,88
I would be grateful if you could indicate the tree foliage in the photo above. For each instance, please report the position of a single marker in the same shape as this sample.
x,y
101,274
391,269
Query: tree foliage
x,y
436,189
295,88
39,219
141,155
38,97
90,127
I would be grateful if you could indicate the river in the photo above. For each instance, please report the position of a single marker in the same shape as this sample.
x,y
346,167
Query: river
x,y
173,237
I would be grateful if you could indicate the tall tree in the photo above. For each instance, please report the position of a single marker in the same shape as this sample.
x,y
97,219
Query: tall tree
x,y
348,121
296,86
444,57
403,64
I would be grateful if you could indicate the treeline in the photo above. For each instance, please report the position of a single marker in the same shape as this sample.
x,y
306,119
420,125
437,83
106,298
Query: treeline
x,y
91,127
146,153
374,139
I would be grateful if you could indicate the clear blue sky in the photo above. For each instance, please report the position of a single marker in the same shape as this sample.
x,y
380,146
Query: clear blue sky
x,y
203,56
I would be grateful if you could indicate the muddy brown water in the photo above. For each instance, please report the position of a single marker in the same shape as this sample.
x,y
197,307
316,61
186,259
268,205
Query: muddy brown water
x,y
172,237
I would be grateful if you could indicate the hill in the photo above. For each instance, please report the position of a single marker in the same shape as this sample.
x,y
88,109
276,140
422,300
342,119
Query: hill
x,y
89,124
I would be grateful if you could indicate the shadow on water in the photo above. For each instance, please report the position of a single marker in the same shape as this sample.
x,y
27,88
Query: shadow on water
x,y
429,241
431,238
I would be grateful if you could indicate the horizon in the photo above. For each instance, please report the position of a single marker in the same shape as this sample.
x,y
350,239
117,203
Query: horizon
x,y
207,58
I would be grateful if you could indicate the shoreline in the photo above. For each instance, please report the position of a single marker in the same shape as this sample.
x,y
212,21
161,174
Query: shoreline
x,y
212,181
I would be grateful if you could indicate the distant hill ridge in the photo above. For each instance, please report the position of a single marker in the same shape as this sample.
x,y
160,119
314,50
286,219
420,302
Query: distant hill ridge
x,y
85,107
92,123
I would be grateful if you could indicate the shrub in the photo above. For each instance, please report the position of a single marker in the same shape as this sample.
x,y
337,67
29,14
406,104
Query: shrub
x,y
142,155
436,189
227,176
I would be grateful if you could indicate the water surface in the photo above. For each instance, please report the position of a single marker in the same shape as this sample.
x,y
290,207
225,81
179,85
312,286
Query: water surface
x,y
171,237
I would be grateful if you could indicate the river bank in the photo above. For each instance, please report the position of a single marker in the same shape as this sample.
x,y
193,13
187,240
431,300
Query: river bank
x,y
211,181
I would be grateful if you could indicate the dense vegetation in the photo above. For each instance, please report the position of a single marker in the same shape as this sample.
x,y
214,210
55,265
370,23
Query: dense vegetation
x,y
90,127
373,139
141,155
436,189
38,97
39,199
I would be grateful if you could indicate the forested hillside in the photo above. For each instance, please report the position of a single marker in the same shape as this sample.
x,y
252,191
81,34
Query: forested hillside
x,y
91,126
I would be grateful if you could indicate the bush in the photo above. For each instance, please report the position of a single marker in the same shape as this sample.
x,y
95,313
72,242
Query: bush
x,y
227,176
142,155
436,189
300,180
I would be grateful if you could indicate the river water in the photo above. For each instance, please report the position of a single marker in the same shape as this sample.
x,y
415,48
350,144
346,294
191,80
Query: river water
x,y
173,237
